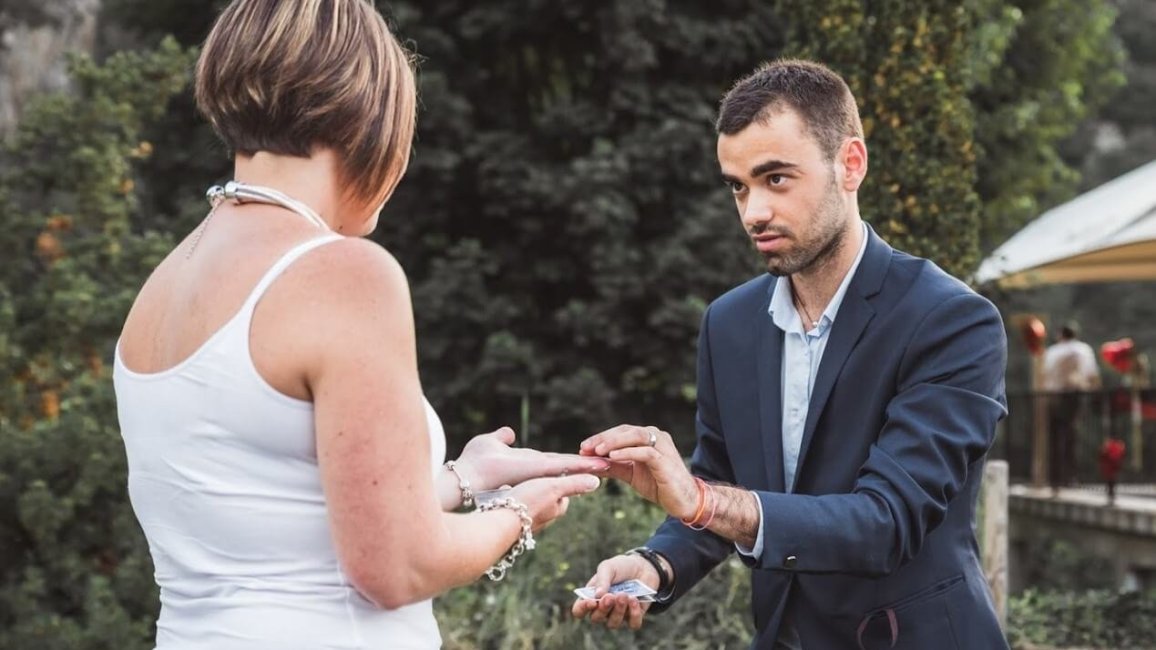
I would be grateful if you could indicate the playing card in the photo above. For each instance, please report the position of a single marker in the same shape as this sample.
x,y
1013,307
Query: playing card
x,y
483,496
631,587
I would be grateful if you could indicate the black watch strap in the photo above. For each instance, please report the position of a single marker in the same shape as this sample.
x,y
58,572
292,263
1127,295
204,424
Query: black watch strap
x,y
665,580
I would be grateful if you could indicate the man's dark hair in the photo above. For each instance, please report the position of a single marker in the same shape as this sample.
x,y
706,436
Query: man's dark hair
x,y
819,96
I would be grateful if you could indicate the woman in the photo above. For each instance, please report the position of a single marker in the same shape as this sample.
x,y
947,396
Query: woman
x,y
283,462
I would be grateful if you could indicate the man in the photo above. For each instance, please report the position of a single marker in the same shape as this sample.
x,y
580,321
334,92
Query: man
x,y
846,404
1069,370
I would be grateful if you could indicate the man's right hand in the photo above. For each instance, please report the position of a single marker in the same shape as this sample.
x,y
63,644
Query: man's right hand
x,y
612,610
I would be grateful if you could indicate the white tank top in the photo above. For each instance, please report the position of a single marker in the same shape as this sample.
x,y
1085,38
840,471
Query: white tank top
x,y
223,478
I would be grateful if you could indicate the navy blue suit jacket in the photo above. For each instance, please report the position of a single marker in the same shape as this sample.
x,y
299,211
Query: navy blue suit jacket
x,y
876,545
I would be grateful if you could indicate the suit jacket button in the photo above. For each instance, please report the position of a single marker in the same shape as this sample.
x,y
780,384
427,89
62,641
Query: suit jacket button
x,y
790,562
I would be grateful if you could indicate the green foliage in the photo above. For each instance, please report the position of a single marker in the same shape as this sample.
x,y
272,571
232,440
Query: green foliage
x,y
562,223
530,609
1062,63
1071,602
1123,136
964,106
1099,619
909,65
74,571
1056,565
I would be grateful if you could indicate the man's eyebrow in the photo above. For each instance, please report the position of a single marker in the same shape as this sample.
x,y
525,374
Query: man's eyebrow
x,y
762,168
771,166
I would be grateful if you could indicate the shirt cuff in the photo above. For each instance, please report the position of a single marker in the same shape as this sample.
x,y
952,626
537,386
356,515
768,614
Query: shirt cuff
x,y
756,552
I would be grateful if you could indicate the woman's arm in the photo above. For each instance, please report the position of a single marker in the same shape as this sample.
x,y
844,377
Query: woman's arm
x,y
393,536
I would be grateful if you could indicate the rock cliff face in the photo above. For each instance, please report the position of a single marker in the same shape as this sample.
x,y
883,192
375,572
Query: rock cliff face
x,y
35,36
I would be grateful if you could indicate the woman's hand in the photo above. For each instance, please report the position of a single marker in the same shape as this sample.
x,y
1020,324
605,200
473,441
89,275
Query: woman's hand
x,y
548,498
489,462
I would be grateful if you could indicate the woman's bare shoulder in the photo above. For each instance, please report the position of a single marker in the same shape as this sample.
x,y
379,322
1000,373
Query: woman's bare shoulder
x,y
353,270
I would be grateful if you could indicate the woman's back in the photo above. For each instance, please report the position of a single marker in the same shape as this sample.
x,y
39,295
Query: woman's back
x,y
224,477
282,459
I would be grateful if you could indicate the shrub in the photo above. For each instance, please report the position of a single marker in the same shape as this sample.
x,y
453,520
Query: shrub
x,y
531,607
1100,618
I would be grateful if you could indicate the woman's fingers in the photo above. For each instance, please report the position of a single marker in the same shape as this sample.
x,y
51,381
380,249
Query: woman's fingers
x,y
555,464
505,435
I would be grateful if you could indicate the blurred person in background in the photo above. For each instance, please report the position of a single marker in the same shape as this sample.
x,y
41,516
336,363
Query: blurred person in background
x,y
1069,371
284,465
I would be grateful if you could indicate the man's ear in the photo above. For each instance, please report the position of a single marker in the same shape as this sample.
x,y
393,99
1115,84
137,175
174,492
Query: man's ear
x,y
853,158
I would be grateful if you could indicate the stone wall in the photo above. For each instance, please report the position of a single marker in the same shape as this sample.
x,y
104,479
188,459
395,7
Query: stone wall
x,y
33,53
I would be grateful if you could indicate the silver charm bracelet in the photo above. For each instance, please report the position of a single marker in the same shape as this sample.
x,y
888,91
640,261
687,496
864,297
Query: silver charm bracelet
x,y
525,539
463,484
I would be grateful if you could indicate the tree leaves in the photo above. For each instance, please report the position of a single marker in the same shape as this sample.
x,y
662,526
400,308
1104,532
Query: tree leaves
x,y
67,190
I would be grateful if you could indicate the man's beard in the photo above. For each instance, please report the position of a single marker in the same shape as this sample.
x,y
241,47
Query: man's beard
x,y
826,241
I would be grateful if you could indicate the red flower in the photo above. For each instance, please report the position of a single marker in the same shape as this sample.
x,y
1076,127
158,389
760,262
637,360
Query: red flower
x,y
1111,458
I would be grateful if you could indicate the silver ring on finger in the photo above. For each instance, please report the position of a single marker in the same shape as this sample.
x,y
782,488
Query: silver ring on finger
x,y
653,440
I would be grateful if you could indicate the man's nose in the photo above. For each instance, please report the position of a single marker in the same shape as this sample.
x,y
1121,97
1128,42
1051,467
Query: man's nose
x,y
758,210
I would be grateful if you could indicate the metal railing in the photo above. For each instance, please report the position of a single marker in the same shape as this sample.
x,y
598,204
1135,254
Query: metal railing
x,y
1097,415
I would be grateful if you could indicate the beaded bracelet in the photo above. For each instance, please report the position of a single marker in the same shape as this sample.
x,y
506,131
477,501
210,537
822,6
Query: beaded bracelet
x,y
525,539
463,484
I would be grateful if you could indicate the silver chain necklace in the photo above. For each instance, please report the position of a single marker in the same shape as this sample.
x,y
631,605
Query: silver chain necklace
x,y
243,193
799,305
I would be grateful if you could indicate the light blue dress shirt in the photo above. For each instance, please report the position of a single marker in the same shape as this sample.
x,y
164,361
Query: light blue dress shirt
x,y
802,352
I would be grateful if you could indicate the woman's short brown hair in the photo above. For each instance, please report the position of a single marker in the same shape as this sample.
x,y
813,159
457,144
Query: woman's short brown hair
x,y
289,76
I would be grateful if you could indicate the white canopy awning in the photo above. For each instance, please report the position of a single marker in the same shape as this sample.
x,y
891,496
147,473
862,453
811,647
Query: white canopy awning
x,y
1105,235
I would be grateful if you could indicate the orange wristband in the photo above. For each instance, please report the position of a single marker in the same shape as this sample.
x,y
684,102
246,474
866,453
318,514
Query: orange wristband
x,y
701,503
713,508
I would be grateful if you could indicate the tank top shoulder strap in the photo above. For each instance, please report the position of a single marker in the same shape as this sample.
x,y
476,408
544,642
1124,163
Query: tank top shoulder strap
x,y
290,256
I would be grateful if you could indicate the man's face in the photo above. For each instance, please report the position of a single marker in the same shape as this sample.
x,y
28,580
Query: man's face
x,y
788,195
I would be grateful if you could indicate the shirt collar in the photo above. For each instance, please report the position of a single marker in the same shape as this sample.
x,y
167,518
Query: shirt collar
x,y
782,307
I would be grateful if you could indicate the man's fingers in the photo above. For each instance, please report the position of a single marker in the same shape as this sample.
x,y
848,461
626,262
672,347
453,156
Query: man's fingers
x,y
645,455
619,608
636,614
613,610
583,606
600,613
626,436
622,471
590,445
617,612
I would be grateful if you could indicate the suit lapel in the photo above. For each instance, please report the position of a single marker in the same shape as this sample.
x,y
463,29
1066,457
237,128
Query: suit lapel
x,y
854,314
769,361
